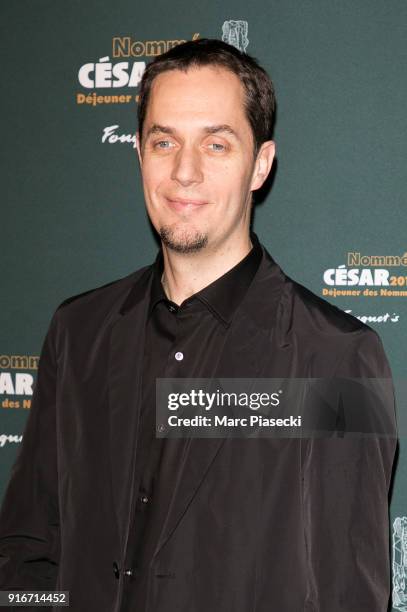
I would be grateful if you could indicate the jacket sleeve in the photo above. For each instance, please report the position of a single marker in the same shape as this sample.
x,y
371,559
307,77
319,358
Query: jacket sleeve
x,y
29,517
346,480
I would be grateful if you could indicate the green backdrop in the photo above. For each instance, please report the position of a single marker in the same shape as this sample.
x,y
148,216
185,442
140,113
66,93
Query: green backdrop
x,y
72,214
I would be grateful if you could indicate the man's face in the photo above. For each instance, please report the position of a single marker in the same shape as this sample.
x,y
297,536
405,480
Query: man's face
x,y
197,159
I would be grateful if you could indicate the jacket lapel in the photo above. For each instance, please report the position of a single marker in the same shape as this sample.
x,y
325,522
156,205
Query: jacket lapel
x,y
124,392
244,355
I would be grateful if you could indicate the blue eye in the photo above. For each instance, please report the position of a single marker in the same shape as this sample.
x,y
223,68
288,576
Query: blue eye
x,y
218,146
162,142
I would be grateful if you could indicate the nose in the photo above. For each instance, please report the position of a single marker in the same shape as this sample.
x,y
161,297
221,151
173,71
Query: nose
x,y
187,166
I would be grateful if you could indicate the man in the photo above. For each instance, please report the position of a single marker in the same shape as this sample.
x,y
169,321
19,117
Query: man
x,y
97,504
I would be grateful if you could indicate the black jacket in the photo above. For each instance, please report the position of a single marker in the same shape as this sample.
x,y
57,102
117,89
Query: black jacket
x,y
252,525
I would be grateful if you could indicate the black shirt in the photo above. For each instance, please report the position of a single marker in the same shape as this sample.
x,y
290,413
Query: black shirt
x,y
181,341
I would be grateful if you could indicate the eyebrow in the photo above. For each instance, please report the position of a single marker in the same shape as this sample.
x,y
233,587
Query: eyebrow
x,y
209,129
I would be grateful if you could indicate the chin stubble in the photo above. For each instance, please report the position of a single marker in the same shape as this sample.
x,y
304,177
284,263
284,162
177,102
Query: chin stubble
x,y
183,244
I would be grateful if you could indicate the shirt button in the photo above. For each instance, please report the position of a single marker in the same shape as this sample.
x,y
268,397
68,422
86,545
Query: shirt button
x,y
116,569
128,572
171,308
179,356
144,499
160,428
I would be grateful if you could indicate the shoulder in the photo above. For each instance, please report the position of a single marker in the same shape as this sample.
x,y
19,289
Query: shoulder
x,y
319,314
99,303
300,309
357,346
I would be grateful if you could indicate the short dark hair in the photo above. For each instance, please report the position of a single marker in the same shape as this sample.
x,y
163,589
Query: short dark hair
x,y
260,102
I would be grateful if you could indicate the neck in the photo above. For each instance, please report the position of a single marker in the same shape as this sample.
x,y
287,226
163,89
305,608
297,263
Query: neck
x,y
187,273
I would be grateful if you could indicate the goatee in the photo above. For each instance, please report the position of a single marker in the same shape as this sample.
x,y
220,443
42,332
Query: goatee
x,y
185,243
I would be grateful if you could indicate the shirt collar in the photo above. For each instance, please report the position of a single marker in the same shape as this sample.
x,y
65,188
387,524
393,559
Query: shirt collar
x,y
222,296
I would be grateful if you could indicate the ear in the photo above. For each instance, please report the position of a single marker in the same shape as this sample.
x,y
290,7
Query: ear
x,y
138,147
263,164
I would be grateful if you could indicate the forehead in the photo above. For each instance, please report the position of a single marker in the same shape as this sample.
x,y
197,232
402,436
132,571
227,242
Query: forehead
x,y
199,94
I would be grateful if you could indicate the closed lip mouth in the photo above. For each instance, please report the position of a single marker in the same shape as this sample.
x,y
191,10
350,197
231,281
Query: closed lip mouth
x,y
186,201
